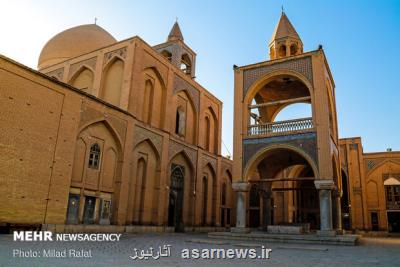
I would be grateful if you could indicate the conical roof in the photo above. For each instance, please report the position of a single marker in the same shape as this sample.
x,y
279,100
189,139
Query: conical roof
x,y
175,33
284,29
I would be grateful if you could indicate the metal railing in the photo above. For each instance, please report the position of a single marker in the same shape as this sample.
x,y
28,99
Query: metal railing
x,y
274,128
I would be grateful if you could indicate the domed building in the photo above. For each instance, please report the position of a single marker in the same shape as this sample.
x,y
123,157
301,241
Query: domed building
x,y
120,136
74,42
118,133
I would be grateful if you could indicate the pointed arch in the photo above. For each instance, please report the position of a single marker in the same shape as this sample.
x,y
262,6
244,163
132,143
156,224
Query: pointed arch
x,y
209,195
380,164
113,80
211,130
109,127
144,188
83,78
184,101
154,97
184,206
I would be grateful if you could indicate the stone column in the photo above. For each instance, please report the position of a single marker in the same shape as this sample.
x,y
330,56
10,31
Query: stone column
x,y
325,206
241,188
336,195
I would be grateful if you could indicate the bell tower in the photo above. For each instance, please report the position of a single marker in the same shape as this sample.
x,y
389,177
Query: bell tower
x,y
177,52
286,170
285,41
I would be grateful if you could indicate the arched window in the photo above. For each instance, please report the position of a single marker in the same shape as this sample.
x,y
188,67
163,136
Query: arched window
x,y
113,79
167,55
94,156
207,133
83,80
293,49
282,51
186,64
148,101
180,123
205,199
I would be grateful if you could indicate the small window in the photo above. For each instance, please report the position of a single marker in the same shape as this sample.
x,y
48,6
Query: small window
x,y
293,49
282,51
94,157
180,121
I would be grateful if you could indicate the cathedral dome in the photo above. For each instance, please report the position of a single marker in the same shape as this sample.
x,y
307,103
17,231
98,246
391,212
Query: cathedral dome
x,y
74,42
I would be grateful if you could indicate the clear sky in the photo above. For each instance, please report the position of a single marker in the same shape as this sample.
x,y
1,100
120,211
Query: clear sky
x,y
361,40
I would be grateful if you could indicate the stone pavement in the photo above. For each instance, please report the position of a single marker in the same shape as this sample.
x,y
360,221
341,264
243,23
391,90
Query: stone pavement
x,y
371,252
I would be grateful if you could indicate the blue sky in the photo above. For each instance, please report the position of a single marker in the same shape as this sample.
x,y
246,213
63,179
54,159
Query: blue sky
x,y
361,40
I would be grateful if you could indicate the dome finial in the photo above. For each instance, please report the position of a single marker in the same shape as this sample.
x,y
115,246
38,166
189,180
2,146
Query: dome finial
x,y
95,21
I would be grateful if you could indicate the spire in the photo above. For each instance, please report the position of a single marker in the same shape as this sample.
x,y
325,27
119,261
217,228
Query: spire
x,y
284,29
175,33
285,41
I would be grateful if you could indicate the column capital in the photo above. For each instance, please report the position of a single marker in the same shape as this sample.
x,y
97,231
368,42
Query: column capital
x,y
240,186
325,184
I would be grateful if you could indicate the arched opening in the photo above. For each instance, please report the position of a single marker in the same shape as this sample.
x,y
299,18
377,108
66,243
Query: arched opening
x,y
293,112
94,173
188,121
226,199
148,101
144,188
181,193
83,80
207,133
167,55
345,203
180,121
154,97
175,209
205,200
186,64
282,51
112,83
282,190
293,49
141,188
278,106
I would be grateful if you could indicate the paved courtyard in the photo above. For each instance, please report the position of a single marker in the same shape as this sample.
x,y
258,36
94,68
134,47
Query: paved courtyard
x,y
371,252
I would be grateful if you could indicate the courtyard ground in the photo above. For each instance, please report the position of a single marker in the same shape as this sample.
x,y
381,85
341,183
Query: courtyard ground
x,y
371,252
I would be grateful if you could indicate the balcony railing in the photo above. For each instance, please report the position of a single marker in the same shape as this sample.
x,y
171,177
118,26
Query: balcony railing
x,y
278,127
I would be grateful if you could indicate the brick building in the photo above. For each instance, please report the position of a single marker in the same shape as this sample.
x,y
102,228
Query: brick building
x,y
112,132
297,171
119,133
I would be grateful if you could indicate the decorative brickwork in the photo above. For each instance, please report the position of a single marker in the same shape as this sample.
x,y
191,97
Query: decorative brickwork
x,y
301,65
91,63
180,84
120,52
306,142
90,114
142,134
175,148
208,159
58,74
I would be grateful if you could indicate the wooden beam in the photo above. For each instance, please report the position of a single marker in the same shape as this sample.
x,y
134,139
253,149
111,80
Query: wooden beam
x,y
287,101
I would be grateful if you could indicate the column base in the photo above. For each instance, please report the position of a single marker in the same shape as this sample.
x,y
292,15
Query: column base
x,y
240,230
326,233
